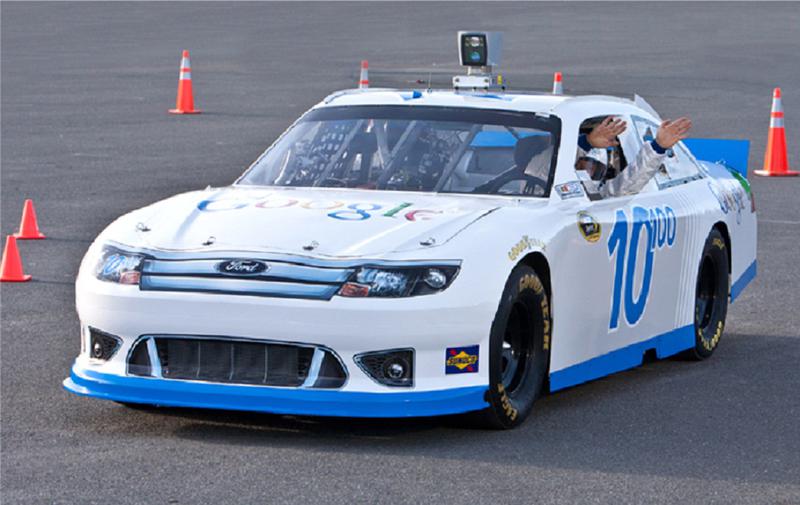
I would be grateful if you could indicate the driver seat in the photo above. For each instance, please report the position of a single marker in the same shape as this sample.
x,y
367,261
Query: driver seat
x,y
524,152
526,149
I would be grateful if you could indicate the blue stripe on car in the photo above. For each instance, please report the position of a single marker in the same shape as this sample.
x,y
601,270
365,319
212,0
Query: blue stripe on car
x,y
744,279
177,393
630,356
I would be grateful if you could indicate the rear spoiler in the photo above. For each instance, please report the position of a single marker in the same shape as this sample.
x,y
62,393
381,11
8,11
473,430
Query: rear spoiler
x,y
729,152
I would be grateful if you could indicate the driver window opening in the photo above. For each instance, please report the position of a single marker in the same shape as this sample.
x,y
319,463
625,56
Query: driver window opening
x,y
598,164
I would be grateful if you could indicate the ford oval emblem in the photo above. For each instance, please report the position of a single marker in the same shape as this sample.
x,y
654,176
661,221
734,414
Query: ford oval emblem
x,y
242,267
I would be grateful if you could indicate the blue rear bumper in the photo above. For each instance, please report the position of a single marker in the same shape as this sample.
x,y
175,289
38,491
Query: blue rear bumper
x,y
176,393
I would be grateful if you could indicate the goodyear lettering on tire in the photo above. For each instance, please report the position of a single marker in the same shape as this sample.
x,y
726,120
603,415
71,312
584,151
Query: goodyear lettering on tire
x,y
531,282
546,326
711,343
534,283
505,403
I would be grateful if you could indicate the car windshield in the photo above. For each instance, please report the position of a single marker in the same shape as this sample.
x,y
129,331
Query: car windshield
x,y
414,148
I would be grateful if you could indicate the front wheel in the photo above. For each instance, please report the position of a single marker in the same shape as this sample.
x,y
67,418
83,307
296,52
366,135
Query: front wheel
x,y
519,350
711,296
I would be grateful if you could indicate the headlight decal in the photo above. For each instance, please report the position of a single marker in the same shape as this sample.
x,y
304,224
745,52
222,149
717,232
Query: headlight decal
x,y
385,282
119,266
397,282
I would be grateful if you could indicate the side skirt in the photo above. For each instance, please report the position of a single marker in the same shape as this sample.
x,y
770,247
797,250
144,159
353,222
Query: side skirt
x,y
666,344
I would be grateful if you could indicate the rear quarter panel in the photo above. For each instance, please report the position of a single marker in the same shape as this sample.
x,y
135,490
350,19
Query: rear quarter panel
x,y
734,200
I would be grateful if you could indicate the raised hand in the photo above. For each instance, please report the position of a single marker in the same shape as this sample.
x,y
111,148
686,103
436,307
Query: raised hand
x,y
605,134
672,132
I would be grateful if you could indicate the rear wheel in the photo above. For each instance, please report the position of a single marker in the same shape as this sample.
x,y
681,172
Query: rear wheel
x,y
711,296
519,350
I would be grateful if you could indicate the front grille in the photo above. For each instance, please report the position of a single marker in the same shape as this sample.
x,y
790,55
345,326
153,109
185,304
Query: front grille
x,y
236,362
279,279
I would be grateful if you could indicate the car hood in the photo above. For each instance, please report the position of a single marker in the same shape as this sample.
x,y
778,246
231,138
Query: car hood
x,y
318,221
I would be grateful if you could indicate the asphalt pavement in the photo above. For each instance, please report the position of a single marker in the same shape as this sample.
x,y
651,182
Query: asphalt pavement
x,y
85,133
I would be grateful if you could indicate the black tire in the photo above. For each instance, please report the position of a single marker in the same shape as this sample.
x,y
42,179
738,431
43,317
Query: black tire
x,y
519,350
711,296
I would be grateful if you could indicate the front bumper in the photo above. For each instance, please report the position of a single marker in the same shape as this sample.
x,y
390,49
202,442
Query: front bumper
x,y
428,324
178,393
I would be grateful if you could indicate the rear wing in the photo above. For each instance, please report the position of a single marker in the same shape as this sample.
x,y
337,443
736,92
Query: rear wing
x,y
732,153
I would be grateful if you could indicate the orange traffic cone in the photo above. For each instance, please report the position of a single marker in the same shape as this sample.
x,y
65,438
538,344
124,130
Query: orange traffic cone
x,y
776,163
184,104
558,88
11,267
28,227
363,81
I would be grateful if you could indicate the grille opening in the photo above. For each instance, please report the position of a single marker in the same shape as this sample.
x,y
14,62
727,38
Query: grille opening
x,y
329,373
239,362
102,345
249,364
139,360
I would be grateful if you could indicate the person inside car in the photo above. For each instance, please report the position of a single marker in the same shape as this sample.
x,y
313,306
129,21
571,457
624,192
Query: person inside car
x,y
598,147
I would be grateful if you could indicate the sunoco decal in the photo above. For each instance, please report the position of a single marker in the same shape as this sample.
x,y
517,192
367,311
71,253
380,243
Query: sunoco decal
x,y
461,359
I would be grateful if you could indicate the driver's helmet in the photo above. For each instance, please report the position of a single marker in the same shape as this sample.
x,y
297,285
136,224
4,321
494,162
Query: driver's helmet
x,y
595,163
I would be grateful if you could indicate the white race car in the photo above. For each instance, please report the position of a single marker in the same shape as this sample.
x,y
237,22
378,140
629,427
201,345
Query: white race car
x,y
415,253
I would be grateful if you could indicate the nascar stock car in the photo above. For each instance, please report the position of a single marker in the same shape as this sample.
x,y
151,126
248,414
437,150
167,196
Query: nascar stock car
x,y
416,253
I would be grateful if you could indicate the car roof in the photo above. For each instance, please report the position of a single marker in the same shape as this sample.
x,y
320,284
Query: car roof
x,y
561,105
